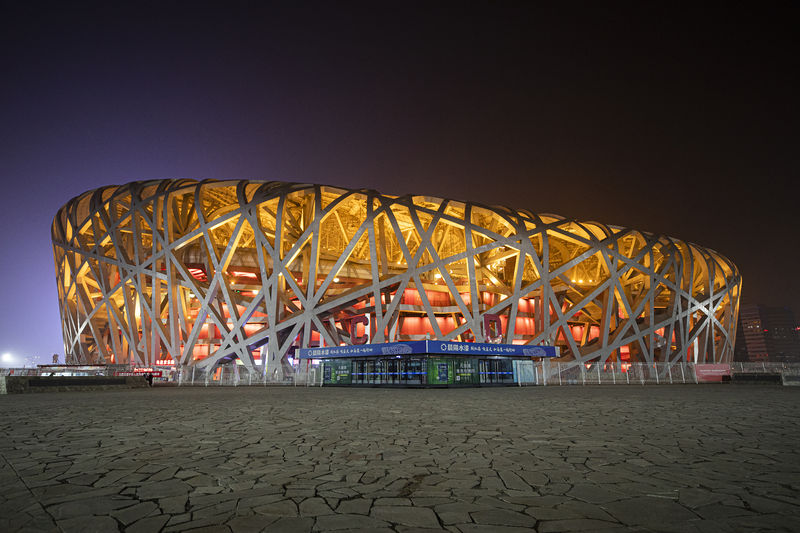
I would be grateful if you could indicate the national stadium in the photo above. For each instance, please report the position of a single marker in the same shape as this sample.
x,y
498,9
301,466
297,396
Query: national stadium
x,y
189,273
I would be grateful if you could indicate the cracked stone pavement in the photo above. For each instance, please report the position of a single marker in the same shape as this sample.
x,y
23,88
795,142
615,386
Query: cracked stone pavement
x,y
283,459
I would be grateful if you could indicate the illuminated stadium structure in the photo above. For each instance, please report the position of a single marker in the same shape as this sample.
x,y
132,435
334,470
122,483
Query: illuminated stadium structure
x,y
200,273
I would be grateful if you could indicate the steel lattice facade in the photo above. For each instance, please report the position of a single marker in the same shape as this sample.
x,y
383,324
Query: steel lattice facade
x,y
197,273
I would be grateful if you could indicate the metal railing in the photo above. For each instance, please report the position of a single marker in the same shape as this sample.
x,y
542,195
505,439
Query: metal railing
x,y
66,370
554,373
230,375
543,373
239,376
766,367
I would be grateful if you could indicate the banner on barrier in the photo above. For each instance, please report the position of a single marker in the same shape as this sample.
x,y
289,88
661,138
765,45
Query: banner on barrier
x,y
711,373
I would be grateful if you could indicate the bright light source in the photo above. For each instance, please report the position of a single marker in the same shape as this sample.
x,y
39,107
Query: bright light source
x,y
7,358
336,280
437,275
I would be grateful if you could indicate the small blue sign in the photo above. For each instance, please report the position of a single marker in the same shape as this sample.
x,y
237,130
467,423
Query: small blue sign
x,y
484,348
428,347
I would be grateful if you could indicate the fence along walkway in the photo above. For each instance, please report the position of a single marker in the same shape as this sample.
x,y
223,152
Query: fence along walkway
x,y
552,373
543,373
536,373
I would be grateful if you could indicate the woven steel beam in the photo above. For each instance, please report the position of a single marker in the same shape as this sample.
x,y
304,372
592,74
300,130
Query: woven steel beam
x,y
201,273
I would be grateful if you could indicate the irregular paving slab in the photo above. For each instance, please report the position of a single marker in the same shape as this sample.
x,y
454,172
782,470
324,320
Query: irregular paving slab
x,y
406,516
503,517
133,513
344,521
250,524
162,489
95,506
649,512
290,525
314,507
151,524
88,524
475,460
479,528
577,524
356,506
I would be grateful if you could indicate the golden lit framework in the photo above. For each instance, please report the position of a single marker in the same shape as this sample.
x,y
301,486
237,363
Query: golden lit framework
x,y
197,273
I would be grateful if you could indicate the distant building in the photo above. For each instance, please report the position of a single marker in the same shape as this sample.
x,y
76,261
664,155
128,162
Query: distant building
x,y
767,334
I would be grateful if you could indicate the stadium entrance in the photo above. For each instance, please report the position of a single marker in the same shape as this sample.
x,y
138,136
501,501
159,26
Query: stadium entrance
x,y
427,364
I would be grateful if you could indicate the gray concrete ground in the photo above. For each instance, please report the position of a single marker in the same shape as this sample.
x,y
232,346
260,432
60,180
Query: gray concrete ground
x,y
659,458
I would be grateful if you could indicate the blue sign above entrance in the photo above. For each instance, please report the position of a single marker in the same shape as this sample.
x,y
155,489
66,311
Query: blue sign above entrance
x,y
428,347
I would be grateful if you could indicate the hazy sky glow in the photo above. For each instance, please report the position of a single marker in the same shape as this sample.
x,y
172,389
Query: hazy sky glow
x,y
681,122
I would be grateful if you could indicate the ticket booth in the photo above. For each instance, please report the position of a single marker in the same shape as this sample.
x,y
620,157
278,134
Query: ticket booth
x,y
424,363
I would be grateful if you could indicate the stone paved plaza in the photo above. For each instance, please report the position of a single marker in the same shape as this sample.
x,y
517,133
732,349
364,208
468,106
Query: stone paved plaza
x,y
658,458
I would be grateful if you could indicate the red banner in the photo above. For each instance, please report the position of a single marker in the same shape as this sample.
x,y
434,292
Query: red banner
x,y
711,373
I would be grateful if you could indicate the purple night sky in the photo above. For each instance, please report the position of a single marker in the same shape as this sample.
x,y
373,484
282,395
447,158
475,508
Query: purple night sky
x,y
669,120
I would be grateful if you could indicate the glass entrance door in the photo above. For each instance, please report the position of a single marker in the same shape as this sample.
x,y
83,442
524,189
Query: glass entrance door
x,y
412,371
391,374
359,372
496,371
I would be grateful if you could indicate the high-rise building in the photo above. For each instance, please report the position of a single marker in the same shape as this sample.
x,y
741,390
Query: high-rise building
x,y
767,334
